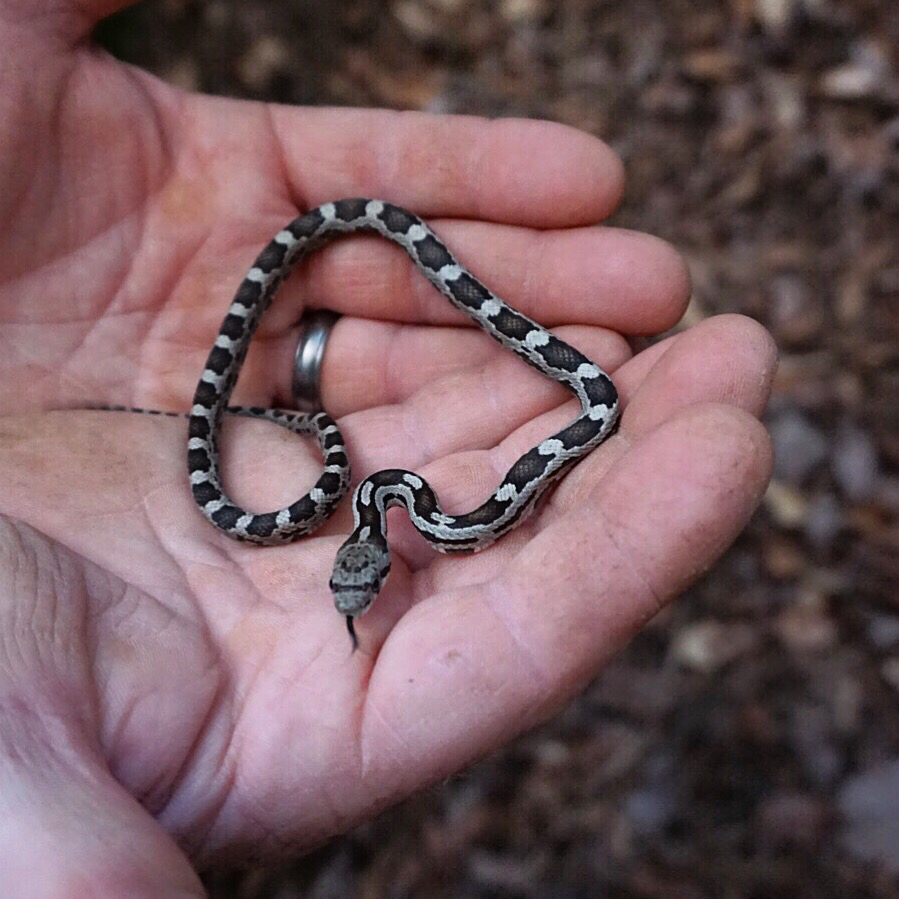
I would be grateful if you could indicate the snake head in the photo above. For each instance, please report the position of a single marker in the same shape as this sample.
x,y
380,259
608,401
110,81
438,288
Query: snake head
x,y
359,572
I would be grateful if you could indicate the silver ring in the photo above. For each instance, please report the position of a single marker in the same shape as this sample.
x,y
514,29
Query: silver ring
x,y
315,328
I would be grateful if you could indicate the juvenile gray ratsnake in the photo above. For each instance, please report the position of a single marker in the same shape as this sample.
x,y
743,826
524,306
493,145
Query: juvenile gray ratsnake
x,y
363,561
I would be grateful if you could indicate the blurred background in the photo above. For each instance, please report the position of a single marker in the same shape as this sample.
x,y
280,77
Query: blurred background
x,y
746,745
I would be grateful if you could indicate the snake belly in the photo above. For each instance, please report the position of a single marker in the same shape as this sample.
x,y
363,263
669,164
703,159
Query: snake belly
x,y
363,561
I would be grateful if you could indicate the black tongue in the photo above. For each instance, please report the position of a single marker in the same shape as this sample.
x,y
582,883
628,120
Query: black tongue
x,y
351,629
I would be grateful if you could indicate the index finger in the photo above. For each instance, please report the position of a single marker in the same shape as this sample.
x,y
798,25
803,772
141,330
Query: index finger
x,y
516,171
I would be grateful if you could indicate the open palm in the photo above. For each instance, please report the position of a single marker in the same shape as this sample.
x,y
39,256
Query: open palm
x,y
161,680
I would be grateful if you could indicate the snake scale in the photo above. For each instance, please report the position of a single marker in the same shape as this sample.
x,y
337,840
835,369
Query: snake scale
x,y
363,561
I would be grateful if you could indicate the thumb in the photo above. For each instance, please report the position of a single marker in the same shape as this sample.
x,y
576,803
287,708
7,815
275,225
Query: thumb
x,y
67,827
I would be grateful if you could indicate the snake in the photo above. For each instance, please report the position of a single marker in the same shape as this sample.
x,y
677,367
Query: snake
x,y
362,563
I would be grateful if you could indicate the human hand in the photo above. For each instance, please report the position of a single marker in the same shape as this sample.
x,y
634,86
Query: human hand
x,y
160,680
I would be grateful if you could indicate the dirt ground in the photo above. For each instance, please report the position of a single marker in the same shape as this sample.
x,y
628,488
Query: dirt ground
x,y
746,745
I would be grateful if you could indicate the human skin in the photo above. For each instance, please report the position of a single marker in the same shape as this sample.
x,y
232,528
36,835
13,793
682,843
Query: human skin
x,y
172,700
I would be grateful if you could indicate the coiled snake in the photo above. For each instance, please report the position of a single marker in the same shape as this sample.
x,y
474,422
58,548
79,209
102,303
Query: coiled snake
x,y
363,562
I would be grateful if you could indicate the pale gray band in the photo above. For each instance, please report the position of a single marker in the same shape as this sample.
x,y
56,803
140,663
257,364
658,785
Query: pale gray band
x,y
314,329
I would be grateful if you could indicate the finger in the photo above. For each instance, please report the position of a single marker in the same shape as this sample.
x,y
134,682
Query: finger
x,y
450,372
664,513
475,406
621,279
47,13
73,20
517,171
727,359
730,359
68,827
94,10
466,671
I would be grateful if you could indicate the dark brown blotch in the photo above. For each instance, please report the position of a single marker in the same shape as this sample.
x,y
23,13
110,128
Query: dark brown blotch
x,y
351,209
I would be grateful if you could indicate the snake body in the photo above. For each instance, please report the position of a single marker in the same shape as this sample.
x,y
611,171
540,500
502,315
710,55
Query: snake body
x,y
363,561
